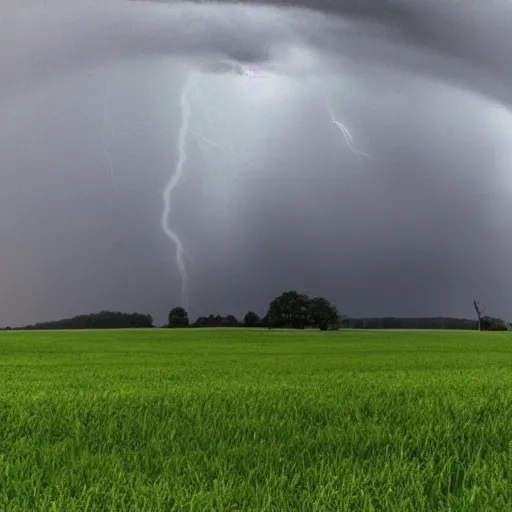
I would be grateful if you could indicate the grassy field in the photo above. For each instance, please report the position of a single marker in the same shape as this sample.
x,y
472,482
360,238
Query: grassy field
x,y
228,420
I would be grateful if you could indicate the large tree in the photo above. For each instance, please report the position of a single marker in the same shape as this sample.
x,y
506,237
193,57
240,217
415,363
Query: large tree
x,y
230,321
323,314
178,317
251,319
290,309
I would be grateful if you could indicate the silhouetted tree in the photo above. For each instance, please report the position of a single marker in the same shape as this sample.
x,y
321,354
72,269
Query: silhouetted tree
x,y
178,317
323,314
230,321
251,319
290,309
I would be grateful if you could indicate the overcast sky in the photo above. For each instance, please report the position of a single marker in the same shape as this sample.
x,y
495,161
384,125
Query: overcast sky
x,y
412,217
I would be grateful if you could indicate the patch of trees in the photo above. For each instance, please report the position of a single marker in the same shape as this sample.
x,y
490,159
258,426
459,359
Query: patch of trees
x,y
297,311
290,310
178,318
488,323
217,321
102,320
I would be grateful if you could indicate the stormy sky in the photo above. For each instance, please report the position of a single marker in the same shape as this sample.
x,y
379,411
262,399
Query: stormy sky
x,y
274,195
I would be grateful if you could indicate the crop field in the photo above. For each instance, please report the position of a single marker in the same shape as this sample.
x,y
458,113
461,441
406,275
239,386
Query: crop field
x,y
240,420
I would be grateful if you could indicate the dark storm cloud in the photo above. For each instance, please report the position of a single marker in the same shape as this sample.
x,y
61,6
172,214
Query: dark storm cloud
x,y
467,42
420,229
41,42
474,31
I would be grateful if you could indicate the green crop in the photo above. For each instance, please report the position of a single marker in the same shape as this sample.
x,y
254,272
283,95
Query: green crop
x,y
255,420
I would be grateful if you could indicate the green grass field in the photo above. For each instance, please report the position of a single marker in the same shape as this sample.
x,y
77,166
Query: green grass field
x,y
236,420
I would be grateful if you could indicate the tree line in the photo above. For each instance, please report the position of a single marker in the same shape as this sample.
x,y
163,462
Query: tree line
x,y
102,320
297,311
488,323
291,310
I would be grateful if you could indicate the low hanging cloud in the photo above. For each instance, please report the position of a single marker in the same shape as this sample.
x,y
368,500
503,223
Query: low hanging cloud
x,y
466,43
463,42
39,42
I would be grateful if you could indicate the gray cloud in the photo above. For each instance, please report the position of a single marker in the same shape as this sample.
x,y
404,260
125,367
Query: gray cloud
x,y
463,42
277,201
466,42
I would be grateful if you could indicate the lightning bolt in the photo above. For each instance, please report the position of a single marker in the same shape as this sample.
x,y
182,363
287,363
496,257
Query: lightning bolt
x,y
174,180
349,139
185,129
